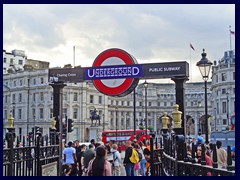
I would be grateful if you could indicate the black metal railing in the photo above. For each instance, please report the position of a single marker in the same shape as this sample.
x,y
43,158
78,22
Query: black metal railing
x,y
28,159
170,159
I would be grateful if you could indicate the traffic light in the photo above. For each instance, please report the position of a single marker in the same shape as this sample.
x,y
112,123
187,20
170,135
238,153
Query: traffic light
x,y
70,125
38,131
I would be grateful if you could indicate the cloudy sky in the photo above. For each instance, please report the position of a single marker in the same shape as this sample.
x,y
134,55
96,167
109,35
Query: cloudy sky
x,y
151,33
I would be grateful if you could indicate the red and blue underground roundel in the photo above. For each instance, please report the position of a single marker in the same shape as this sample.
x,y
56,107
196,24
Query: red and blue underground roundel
x,y
114,72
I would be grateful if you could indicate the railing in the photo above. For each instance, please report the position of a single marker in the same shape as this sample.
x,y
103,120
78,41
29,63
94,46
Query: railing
x,y
171,159
28,161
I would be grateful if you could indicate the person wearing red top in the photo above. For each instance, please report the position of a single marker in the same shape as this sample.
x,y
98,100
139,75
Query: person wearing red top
x,y
208,159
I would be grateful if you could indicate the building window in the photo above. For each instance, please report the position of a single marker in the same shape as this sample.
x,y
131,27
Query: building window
x,y
140,113
33,113
140,104
13,98
171,104
122,123
34,97
223,91
216,78
14,84
127,123
111,122
34,81
41,113
224,76
4,60
11,61
165,103
19,113
158,103
75,111
224,107
128,103
20,97
224,122
65,96
41,96
100,99
51,113
149,113
41,80
149,103
75,96
6,99
122,103
20,62
116,103
91,98
21,82
234,76
5,114
64,113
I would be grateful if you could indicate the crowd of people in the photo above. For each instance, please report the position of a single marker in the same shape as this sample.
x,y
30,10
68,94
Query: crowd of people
x,y
93,160
198,144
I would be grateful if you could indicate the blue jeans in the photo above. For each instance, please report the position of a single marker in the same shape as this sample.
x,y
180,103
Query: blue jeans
x,y
129,168
143,163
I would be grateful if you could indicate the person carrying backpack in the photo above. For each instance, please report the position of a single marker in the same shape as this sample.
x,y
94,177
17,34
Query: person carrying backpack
x,y
116,160
129,166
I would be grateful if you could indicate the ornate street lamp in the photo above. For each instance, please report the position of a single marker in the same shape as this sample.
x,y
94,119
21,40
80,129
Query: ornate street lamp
x,y
204,66
145,84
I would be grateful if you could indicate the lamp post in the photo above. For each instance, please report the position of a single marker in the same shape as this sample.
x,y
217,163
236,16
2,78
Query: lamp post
x,y
134,112
145,84
116,108
204,66
227,94
215,122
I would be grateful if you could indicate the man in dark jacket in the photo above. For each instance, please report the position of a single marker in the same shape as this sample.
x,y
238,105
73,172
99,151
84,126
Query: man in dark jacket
x,y
129,166
87,156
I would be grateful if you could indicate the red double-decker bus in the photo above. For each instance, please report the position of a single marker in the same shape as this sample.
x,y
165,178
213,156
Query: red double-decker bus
x,y
121,136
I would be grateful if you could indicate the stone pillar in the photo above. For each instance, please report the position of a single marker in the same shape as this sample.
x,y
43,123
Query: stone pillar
x,y
180,97
95,133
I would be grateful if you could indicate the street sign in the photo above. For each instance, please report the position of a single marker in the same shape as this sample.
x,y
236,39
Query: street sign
x,y
114,72
72,75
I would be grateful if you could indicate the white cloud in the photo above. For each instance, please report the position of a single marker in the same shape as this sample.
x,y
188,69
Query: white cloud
x,y
156,32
